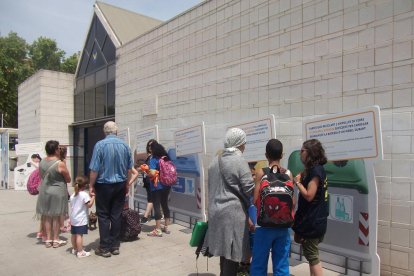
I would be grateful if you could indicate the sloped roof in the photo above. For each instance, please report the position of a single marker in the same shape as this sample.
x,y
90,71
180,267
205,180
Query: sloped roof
x,y
125,25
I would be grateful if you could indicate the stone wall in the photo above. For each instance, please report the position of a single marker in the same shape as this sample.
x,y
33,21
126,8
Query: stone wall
x,y
225,62
45,103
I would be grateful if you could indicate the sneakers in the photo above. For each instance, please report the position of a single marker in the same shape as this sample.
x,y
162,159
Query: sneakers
x,y
83,254
103,253
144,220
115,251
155,233
73,251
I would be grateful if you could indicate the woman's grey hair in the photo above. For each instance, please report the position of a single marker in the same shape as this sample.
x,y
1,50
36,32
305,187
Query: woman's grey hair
x,y
110,128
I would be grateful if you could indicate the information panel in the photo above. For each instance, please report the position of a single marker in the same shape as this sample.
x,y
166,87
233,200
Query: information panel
x,y
347,136
190,140
28,148
258,134
188,195
23,171
143,136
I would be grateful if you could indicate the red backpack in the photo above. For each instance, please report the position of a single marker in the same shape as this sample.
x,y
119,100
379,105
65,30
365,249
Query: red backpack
x,y
275,202
168,172
33,182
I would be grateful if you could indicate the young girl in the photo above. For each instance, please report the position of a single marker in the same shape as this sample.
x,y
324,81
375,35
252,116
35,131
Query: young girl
x,y
313,195
159,192
80,201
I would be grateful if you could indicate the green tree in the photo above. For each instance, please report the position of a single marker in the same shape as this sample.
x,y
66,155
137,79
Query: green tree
x,y
45,54
69,64
19,60
15,67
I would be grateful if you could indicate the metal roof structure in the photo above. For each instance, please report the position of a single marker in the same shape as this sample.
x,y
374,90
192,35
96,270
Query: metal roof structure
x,y
123,25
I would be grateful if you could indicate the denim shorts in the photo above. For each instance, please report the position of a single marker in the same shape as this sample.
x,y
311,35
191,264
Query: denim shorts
x,y
79,230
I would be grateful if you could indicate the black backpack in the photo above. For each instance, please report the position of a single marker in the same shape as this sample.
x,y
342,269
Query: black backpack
x,y
275,202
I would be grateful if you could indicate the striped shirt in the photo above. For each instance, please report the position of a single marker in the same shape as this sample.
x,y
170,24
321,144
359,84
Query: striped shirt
x,y
111,159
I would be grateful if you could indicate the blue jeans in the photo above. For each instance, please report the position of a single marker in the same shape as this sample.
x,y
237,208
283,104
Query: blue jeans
x,y
277,240
110,199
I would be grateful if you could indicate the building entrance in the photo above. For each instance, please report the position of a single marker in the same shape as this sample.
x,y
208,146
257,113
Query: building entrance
x,y
85,138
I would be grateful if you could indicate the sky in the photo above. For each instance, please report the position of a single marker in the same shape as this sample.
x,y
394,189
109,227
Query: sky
x,y
68,21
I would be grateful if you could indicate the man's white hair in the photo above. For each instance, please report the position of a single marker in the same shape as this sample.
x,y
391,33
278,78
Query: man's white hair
x,y
110,128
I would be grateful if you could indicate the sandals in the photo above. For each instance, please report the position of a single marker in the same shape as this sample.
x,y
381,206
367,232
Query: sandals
x,y
165,230
58,243
48,243
155,233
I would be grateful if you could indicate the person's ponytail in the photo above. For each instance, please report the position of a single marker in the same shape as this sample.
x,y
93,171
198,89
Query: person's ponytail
x,y
76,186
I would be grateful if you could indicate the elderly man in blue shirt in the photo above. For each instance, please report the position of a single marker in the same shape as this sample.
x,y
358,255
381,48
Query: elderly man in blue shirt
x,y
110,174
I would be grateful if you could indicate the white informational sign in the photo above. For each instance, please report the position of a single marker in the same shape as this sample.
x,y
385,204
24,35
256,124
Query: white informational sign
x,y
143,136
22,172
346,136
341,208
28,148
190,140
187,197
124,135
258,134
140,155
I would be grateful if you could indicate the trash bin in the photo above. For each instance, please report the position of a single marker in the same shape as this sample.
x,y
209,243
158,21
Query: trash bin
x,y
186,194
12,163
347,232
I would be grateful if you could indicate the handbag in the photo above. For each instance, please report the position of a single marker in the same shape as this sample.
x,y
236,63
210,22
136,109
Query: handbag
x,y
198,234
314,222
34,181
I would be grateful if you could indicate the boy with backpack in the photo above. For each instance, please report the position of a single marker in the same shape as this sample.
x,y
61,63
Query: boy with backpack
x,y
275,203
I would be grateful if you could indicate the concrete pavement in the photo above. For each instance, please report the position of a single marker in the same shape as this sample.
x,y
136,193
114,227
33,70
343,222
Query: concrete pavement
x,y
22,254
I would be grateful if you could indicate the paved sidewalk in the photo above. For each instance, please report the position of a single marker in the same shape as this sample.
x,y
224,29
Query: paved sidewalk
x,y
22,254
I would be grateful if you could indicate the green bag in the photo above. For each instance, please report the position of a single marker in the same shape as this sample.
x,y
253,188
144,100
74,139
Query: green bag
x,y
199,231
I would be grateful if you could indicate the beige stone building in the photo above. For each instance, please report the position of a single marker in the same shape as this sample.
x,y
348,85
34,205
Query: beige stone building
x,y
223,62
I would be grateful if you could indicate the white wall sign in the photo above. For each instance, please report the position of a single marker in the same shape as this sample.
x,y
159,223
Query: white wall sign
x,y
124,135
143,136
190,140
346,136
22,172
25,149
258,134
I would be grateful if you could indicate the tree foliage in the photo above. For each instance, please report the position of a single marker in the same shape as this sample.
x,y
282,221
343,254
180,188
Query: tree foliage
x,y
69,64
45,54
15,67
19,60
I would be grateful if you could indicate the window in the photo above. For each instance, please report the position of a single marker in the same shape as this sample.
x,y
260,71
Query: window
x,y
111,98
109,50
100,33
79,107
96,59
94,96
80,85
100,101
90,104
91,36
